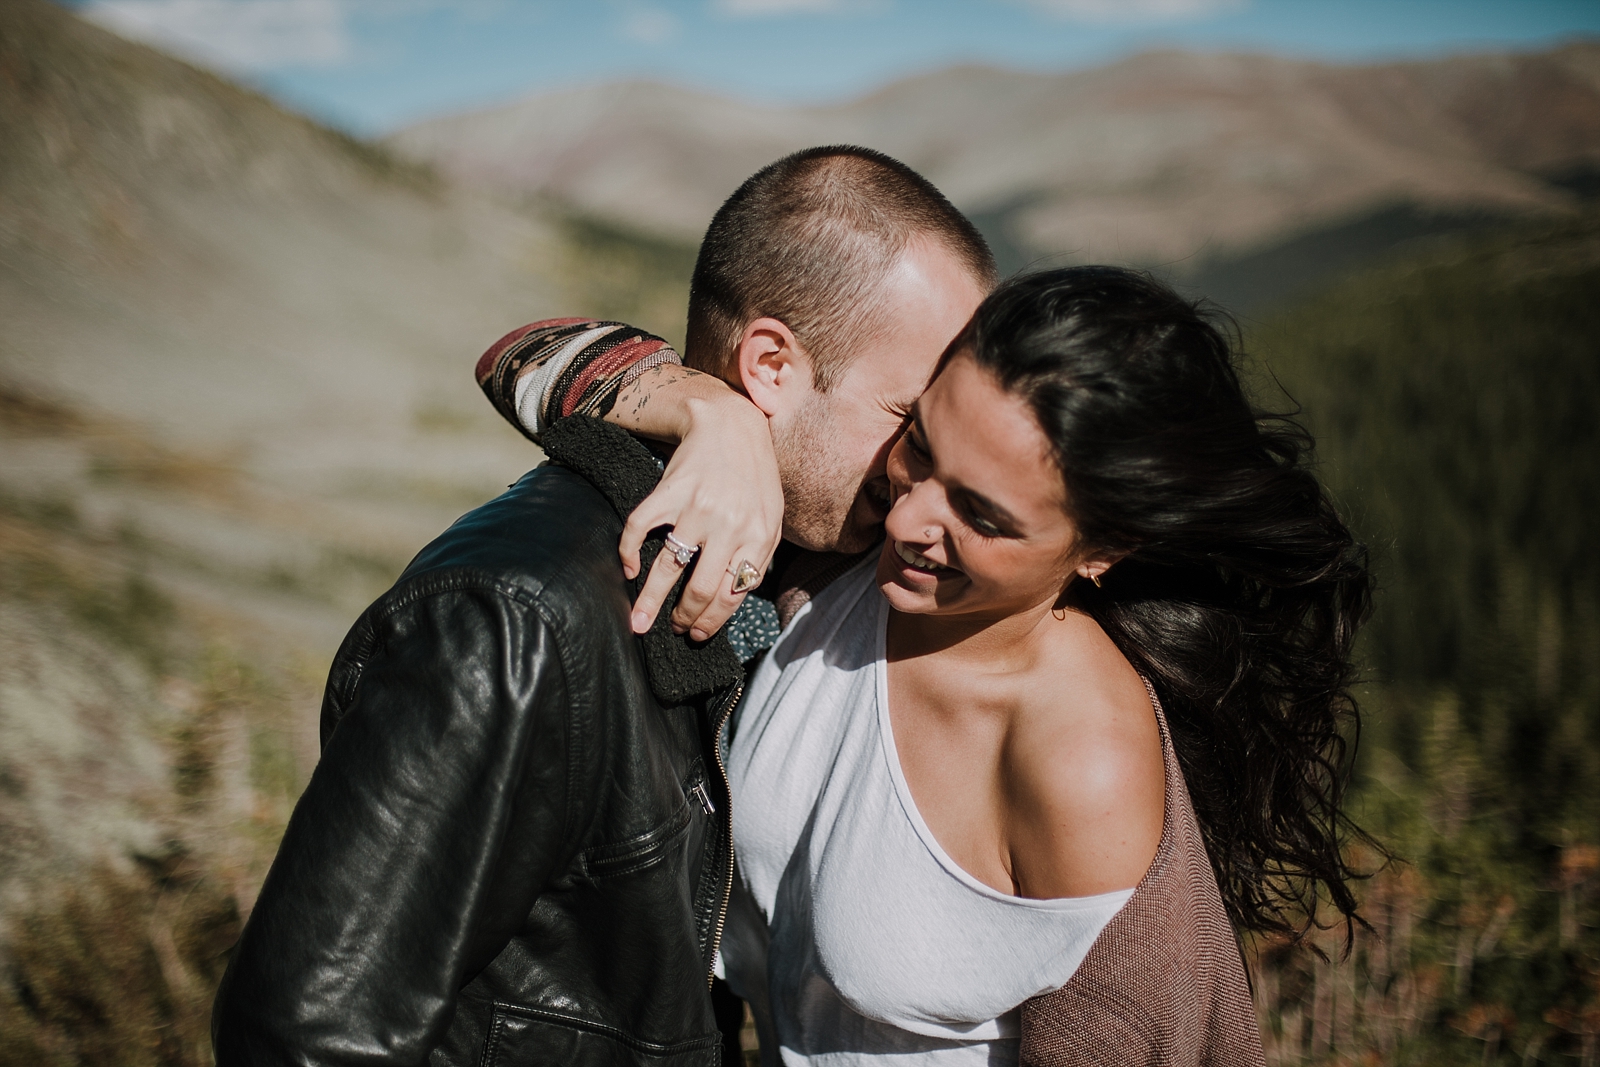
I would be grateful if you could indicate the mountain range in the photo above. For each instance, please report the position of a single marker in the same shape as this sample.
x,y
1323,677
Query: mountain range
x,y
1166,158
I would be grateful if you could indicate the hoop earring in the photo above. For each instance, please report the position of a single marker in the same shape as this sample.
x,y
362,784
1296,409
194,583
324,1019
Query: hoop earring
x,y
1095,578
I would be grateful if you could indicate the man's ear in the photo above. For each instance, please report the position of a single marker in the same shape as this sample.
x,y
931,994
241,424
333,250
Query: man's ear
x,y
773,369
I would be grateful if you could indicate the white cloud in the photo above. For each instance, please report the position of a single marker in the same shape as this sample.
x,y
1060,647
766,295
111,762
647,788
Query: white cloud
x,y
235,35
763,8
650,26
1125,11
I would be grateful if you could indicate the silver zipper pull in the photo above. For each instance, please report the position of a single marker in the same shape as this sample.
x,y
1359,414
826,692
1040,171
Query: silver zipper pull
x,y
703,795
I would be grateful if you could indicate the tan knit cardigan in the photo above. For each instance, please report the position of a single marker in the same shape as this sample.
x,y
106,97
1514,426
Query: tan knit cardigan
x,y
1163,984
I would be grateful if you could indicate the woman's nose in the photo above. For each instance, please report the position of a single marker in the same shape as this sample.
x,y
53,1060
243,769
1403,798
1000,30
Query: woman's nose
x,y
914,517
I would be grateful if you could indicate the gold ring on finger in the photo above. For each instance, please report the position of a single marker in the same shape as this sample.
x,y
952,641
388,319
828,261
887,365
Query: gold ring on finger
x,y
746,576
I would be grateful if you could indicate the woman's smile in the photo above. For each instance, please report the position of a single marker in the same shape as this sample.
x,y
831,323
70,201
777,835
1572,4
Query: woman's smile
x,y
918,562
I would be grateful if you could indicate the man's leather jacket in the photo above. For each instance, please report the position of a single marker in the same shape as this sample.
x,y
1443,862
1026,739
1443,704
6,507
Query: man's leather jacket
x,y
516,846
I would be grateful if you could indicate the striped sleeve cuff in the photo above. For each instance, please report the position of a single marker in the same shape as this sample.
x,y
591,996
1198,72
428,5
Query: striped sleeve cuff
x,y
555,368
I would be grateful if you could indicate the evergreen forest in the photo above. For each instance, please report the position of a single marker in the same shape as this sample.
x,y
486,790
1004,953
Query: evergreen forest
x,y
1454,394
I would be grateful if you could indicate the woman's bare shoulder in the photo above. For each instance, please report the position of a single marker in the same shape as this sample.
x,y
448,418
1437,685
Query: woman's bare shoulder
x,y
1085,779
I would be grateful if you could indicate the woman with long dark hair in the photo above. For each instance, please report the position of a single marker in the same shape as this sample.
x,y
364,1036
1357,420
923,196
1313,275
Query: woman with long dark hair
x,y
1013,787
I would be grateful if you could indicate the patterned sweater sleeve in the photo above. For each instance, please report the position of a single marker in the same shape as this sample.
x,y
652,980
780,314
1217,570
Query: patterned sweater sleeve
x,y
551,369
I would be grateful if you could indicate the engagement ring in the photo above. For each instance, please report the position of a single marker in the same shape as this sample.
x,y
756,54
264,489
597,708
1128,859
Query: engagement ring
x,y
681,552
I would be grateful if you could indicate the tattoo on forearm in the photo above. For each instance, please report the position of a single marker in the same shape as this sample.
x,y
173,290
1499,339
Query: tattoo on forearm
x,y
646,384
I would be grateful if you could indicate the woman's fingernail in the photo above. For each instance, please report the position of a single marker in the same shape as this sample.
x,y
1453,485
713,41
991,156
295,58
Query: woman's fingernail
x,y
698,634
641,622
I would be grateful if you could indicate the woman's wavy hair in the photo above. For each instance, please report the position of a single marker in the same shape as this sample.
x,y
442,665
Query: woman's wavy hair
x,y
1241,589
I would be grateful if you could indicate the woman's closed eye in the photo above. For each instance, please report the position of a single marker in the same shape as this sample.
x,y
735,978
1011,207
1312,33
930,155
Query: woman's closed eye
x,y
975,512
982,526
915,442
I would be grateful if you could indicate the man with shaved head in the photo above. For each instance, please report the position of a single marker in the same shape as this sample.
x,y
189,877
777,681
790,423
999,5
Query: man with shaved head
x,y
516,847
825,289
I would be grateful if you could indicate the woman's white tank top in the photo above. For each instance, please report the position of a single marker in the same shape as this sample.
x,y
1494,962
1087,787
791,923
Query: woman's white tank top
x,y
852,934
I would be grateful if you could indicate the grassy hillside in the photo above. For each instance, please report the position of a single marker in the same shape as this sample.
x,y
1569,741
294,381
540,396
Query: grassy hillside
x,y
153,737
180,251
236,396
1455,397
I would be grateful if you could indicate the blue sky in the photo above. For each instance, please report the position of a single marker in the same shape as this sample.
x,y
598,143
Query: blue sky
x,y
372,65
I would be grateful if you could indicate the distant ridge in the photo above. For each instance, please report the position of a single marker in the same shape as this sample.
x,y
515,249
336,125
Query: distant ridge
x,y
1163,158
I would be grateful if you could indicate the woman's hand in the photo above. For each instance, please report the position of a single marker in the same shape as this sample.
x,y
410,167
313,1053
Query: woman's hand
x,y
720,491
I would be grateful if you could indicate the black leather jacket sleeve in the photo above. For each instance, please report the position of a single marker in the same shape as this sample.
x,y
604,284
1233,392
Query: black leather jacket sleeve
x,y
436,815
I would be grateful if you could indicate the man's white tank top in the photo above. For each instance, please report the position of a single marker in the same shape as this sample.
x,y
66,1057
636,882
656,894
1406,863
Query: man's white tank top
x,y
852,934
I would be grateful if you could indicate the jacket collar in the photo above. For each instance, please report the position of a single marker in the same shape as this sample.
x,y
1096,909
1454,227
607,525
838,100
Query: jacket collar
x,y
625,472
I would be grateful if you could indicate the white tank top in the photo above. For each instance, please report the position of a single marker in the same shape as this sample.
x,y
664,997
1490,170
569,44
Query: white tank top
x,y
852,934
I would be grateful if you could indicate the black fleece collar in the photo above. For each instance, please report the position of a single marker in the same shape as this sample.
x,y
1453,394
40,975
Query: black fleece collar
x,y
626,472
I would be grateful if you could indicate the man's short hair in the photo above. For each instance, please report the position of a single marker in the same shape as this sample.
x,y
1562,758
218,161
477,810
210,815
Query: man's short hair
x,y
808,241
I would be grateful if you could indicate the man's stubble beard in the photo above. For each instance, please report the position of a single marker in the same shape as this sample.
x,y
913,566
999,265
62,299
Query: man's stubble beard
x,y
819,489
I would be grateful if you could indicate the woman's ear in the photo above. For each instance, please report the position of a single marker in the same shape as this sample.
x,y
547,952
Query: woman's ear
x,y
773,369
1094,568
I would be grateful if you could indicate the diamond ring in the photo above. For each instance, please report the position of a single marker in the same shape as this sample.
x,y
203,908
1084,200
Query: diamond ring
x,y
681,551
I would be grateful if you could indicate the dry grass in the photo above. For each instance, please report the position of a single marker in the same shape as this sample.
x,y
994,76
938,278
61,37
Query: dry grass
x,y
119,969
116,962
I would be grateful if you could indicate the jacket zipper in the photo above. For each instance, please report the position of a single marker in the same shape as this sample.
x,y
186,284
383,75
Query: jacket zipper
x,y
727,881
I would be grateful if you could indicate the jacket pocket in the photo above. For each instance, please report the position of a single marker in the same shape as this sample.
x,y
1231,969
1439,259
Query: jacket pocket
x,y
533,1037
639,852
